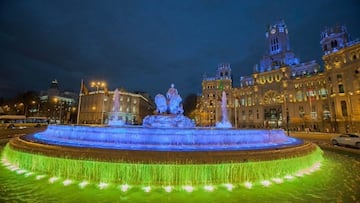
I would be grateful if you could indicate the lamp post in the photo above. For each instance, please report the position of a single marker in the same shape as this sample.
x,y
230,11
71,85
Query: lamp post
x,y
236,103
38,107
350,113
61,105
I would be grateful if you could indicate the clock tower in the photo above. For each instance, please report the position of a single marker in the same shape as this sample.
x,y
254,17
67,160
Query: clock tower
x,y
277,38
279,52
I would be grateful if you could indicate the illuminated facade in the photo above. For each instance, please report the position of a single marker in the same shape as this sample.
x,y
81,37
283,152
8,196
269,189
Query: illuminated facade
x,y
96,107
283,92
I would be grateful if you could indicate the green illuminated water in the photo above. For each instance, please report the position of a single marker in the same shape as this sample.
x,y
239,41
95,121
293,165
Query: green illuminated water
x,y
159,173
337,180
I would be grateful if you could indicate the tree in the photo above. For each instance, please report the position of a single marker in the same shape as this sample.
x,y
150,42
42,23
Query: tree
x,y
189,104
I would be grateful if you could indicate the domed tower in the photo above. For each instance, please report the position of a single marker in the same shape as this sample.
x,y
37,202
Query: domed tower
x,y
54,90
334,38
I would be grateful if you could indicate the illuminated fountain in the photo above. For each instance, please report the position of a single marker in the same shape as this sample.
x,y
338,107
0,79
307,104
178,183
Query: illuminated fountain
x,y
114,117
167,152
225,123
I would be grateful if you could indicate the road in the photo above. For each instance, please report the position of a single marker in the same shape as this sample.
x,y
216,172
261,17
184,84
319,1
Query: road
x,y
7,134
323,141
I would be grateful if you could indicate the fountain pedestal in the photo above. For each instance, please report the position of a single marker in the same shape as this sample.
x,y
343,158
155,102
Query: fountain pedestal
x,y
168,121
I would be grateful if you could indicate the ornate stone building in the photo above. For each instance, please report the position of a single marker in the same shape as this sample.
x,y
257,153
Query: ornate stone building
x,y
95,107
283,92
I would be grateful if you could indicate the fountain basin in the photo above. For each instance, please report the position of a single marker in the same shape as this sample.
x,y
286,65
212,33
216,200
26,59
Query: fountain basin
x,y
105,155
164,139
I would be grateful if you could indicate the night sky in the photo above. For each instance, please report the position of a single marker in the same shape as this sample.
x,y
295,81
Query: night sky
x,y
147,45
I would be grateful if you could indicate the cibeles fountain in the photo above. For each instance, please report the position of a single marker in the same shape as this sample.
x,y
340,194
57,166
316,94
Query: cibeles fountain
x,y
169,112
167,152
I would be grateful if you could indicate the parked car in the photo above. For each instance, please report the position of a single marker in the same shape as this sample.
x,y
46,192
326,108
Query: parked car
x,y
348,139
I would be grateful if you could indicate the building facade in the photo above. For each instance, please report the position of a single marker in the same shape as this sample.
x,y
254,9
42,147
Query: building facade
x,y
95,107
58,106
285,93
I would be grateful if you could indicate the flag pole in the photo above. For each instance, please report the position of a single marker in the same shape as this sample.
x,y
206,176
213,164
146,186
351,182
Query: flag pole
x,y
79,104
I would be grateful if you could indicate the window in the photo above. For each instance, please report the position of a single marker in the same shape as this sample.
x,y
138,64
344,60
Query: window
x,y
301,111
344,108
339,77
341,88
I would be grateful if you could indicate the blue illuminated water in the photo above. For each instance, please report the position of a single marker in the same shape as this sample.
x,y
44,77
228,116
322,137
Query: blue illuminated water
x,y
164,139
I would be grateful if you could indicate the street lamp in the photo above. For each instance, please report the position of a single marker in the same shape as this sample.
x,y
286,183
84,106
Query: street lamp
x,y
236,103
38,107
350,114
61,105
100,85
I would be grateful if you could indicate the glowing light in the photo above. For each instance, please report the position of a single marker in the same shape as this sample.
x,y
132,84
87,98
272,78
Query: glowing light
x,y
13,167
67,182
53,179
5,162
147,189
209,188
103,185
188,188
21,171
28,174
248,185
168,188
266,183
124,188
39,177
289,177
277,180
83,184
300,174
229,186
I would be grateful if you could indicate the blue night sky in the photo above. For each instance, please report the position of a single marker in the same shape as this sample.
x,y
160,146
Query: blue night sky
x,y
147,45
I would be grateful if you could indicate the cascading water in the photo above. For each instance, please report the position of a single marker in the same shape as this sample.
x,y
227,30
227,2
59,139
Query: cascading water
x,y
114,119
225,123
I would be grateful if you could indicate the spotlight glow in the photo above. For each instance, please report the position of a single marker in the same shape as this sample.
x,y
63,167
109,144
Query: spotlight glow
x,y
188,188
209,188
248,185
277,180
147,189
168,188
21,171
229,186
29,174
266,183
124,188
300,174
39,177
5,162
53,179
103,185
13,167
289,177
67,182
83,184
